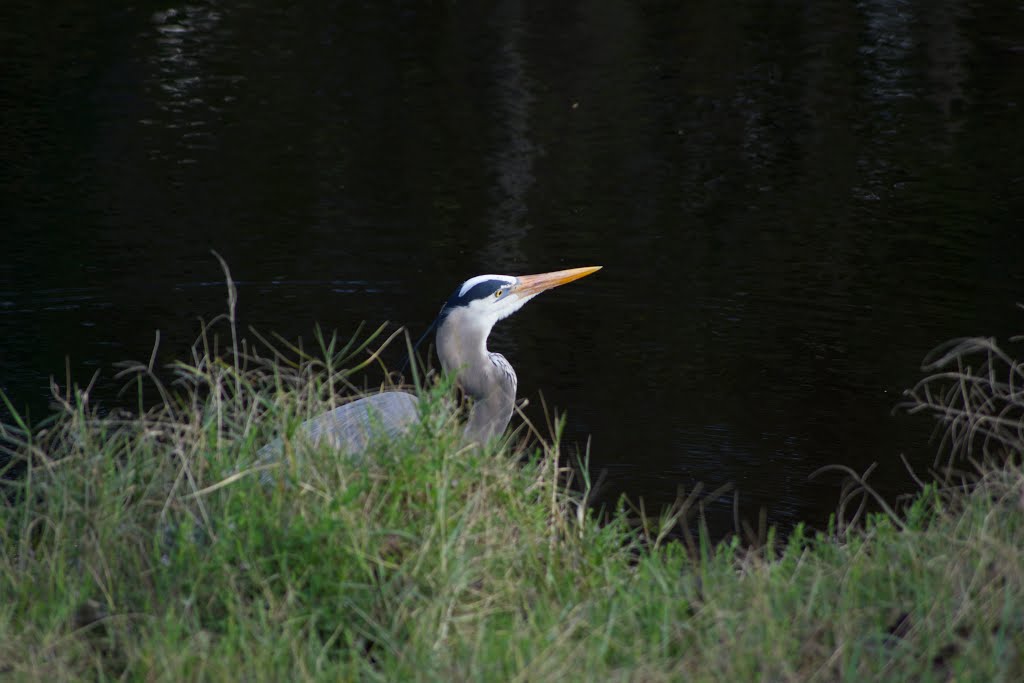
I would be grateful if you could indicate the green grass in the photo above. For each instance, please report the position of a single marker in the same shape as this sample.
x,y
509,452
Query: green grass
x,y
143,546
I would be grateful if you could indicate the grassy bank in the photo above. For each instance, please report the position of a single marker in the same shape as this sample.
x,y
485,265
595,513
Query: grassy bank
x,y
143,545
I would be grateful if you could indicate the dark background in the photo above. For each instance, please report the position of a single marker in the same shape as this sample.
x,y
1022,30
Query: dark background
x,y
793,203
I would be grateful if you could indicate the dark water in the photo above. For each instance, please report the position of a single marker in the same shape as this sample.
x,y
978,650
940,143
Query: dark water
x,y
793,203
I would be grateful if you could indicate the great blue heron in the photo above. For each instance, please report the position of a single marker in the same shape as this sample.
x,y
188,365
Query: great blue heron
x,y
461,328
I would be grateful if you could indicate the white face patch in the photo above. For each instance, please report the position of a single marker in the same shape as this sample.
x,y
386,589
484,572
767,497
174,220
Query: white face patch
x,y
473,281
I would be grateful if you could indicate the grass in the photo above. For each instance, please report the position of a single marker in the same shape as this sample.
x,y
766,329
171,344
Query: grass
x,y
143,546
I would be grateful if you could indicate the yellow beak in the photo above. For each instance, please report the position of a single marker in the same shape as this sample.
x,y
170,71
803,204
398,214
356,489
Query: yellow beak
x,y
528,285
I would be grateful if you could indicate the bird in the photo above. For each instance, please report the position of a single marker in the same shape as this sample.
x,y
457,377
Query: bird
x,y
461,330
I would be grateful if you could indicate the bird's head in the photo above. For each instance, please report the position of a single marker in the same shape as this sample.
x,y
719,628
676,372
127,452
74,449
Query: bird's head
x,y
462,328
483,300
466,319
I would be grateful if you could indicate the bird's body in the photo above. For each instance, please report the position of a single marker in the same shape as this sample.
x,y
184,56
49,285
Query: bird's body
x,y
462,328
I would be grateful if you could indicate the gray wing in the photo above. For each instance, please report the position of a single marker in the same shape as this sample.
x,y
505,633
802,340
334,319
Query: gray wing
x,y
348,428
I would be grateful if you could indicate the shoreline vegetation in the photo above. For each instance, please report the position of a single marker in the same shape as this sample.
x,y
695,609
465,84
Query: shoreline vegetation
x,y
142,545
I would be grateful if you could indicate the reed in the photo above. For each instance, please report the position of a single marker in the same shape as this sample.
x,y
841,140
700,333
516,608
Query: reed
x,y
975,391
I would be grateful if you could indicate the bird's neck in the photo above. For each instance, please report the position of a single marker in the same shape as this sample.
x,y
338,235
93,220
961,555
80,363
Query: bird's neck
x,y
467,357
465,353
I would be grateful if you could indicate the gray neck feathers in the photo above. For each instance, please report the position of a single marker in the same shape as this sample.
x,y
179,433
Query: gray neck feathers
x,y
462,348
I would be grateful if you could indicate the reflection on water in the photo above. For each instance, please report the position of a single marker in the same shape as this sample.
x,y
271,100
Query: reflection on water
x,y
513,160
189,93
948,53
793,203
889,43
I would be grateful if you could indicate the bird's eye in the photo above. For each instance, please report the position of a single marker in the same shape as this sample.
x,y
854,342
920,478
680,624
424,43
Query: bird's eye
x,y
498,293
